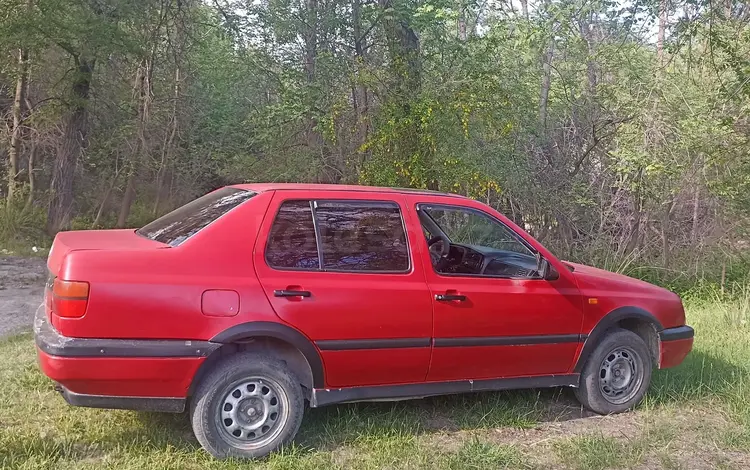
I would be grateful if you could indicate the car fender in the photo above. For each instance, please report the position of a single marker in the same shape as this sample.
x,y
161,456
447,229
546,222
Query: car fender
x,y
609,321
281,332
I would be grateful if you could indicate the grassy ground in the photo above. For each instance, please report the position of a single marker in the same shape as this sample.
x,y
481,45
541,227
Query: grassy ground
x,y
696,416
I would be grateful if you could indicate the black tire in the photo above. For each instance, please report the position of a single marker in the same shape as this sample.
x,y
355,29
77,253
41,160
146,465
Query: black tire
x,y
236,401
617,374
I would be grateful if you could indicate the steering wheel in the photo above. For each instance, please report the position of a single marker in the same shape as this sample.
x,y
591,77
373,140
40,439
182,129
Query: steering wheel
x,y
437,259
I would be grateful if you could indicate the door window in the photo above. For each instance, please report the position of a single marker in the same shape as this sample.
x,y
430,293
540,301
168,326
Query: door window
x,y
291,244
477,244
362,236
351,236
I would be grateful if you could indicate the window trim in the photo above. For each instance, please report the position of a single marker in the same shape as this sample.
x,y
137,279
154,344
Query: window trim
x,y
314,204
534,251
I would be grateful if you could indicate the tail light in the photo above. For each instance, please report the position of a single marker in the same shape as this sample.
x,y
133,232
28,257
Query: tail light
x,y
69,298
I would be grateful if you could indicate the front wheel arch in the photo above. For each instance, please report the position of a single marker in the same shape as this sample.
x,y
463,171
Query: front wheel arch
x,y
635,319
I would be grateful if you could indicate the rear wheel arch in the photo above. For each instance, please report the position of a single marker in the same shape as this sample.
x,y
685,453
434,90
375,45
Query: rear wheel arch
x,y
634,319
282,341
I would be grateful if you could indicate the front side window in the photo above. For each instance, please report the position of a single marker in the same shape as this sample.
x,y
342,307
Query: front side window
x,y
182,223
464,241
352,236
362,236
469,227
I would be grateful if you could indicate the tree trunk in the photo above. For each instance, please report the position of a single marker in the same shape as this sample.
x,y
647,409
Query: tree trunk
x,y
587,31
403,46
143,86
360,94
32,176
696,207
173,129
311,39
546,83
73,142
127,201
34,146
406,67
661,32
462,33
525,8
169,140
105,200
16,135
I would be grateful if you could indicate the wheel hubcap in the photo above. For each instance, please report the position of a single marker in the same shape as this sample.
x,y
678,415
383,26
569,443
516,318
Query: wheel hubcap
x,y
252,412
620,375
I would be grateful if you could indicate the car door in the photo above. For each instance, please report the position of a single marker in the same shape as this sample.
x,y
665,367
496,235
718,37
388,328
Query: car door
x,y
505,322
343,268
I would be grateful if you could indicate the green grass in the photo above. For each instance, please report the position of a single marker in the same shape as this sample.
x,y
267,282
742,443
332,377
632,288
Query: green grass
x,y
695,415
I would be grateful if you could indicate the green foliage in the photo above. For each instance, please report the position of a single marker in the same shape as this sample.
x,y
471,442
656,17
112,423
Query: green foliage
x,y
21,228
568,120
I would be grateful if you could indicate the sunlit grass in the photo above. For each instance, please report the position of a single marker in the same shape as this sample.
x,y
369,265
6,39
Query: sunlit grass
x,y
701,407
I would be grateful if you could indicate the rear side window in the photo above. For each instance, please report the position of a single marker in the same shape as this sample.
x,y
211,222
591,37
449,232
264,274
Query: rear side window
x,y
362,236
353,236
291,244
184,222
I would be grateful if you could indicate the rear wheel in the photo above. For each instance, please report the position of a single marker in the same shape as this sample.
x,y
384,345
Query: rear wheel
x,y
248,406
617,375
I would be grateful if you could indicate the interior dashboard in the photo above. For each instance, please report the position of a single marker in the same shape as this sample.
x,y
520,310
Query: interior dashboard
x,y
480,260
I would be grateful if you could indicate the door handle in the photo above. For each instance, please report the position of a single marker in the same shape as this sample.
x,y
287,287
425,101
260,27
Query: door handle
x,y
291,293
450,297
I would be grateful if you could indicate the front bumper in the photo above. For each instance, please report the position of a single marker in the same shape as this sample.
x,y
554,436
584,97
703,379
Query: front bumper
x,y
152,375
676,343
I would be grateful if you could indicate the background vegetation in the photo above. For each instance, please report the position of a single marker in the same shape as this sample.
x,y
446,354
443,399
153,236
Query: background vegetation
x,y
615,132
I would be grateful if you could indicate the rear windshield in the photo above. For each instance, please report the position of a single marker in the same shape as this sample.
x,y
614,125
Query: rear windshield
x,y
181,224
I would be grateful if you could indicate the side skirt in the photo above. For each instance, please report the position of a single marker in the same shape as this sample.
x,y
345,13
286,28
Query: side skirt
x,y
330,396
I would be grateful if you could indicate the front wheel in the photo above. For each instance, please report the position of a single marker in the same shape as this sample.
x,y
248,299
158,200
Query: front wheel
x,y
617,374
248,406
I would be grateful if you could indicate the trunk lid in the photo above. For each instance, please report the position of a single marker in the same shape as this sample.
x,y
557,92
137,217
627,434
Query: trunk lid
x,y
120,240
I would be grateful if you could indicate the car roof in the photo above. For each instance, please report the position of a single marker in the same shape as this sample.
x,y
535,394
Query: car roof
x,y
262,187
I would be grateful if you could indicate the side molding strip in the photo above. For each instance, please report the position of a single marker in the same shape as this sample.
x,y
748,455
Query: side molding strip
x,y
352,344
506,340
322,397
55,344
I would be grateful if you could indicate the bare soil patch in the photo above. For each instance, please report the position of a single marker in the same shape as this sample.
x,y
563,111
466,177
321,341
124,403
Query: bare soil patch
x,y
21,290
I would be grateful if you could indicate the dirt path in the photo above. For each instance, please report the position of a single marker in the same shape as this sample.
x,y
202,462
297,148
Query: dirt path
x,y
21,289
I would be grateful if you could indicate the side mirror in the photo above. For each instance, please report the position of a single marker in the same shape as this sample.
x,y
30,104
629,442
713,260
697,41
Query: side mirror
x,y
545,270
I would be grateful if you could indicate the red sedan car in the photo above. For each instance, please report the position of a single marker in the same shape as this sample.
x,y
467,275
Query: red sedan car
x,y
249,301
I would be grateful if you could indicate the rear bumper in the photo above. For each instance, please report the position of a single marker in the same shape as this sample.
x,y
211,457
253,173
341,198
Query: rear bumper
x,y
166,404
676,343
152,375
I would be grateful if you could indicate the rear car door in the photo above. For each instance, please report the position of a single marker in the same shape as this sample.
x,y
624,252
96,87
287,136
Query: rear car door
x,y
343,268
494,317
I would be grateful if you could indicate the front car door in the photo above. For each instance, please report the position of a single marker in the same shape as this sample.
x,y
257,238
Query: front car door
x,y
344,269
494,316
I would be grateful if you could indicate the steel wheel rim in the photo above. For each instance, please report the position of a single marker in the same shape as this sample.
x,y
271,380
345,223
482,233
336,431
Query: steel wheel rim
x,y
620,375
252,412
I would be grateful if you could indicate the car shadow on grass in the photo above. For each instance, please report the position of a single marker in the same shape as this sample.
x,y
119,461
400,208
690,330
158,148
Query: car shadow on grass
x,y
701,377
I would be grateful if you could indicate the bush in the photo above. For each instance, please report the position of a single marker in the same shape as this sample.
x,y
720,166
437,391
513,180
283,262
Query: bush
x,y
21,228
